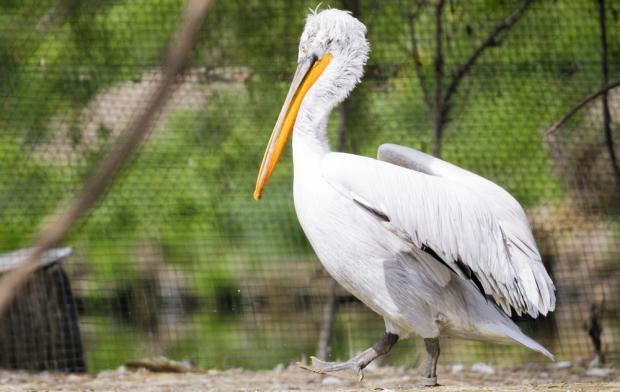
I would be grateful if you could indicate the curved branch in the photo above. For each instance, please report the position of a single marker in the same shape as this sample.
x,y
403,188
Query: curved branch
x,y
492,40
579,105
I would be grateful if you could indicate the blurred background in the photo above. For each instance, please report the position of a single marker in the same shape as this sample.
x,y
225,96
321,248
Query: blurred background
x,y
178,260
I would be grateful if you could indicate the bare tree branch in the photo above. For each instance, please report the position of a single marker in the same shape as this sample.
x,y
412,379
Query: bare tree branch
x,y
59,224
324,342
415,54
578,106
595,330
438,107
492,40
609,141
327,326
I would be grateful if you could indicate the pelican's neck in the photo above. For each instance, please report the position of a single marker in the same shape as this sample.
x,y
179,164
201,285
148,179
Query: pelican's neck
x,y
310,141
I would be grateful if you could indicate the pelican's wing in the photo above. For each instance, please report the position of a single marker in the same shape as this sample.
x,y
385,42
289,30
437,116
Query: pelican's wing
x,y
472,225
427,164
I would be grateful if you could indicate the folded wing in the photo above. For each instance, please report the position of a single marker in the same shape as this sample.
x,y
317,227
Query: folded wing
x,y
468,223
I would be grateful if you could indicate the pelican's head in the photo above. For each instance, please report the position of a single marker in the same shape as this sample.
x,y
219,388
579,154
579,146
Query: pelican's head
x,y
336,37
332,52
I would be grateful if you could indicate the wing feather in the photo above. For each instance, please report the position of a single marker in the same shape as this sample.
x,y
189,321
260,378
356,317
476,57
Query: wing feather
x,y
472,224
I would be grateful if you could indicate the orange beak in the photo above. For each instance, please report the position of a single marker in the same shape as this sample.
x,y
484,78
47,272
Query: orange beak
x,y
306,75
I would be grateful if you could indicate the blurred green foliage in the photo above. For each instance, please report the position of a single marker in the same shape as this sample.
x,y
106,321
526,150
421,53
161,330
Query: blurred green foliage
x,y
190,187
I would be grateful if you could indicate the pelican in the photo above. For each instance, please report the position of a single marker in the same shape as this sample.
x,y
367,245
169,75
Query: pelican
x,y
432,248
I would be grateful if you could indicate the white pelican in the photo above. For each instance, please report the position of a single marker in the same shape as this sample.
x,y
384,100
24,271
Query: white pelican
x,y
434,249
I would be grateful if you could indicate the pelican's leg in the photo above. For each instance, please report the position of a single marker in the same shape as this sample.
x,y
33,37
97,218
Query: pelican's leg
x,y
358,362
429,372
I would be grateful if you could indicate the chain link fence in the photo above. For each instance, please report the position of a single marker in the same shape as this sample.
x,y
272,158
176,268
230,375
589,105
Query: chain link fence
x,y
178,260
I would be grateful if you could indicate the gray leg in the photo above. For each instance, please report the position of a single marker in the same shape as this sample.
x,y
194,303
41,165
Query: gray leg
x,y
358,362
429,371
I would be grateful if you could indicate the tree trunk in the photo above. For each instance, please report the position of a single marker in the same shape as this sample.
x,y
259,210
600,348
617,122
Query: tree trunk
x,y
609,141
438,106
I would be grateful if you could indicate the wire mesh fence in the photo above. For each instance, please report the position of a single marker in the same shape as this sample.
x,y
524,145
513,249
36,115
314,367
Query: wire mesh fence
x,y
178,260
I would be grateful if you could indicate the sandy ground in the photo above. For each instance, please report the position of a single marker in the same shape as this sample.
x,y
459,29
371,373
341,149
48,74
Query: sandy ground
x,y
455,378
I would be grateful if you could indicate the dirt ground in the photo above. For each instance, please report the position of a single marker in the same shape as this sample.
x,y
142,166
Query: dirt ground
x,y
453,378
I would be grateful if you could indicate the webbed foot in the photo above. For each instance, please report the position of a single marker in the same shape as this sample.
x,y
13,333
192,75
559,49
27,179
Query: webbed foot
x,y
353,366
356,364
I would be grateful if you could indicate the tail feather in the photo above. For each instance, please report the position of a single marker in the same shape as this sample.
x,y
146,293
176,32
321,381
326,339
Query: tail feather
x,y
521,338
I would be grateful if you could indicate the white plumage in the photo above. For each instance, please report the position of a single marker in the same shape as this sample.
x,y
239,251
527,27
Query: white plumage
x,y
431,247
